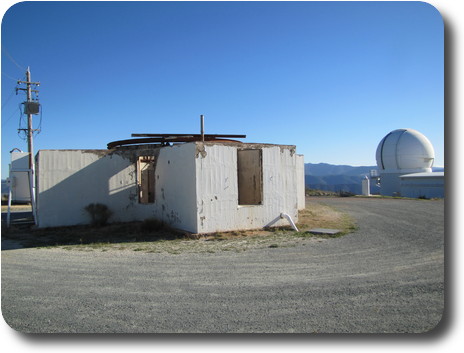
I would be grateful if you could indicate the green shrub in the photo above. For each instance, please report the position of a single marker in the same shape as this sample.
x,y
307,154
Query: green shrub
x,y
99,214
152,225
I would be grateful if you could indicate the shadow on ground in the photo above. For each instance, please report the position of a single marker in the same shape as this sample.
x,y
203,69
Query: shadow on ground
x,y
18,237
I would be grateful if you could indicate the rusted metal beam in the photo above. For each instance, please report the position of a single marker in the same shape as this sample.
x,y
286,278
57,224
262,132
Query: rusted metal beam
x,y
189,135
134,141
166,139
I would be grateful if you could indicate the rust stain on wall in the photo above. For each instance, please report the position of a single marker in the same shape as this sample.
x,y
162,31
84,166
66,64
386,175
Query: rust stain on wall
x,y
200,150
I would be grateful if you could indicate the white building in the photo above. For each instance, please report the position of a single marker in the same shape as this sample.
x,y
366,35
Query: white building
x,y
405,158
199,187
19,177
423,185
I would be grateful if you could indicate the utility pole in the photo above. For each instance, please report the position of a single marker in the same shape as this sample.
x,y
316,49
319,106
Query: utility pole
x,y
29,119
30,107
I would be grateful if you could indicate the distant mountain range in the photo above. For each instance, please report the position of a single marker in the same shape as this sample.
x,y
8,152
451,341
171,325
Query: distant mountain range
x,y
330,177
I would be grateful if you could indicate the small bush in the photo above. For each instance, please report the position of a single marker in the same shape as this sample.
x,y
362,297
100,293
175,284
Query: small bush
x,y
99,214
345,194
317,192
152,225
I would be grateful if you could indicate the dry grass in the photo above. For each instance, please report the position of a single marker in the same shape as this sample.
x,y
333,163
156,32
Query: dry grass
x,y
158,238
318,215
17,208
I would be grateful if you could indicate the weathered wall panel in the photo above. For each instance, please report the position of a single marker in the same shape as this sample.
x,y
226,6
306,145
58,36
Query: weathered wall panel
x,y
217,189
69,180
196,186
175,191
20,188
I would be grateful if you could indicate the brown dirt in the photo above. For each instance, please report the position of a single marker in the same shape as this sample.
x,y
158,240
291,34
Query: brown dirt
x,y
134,237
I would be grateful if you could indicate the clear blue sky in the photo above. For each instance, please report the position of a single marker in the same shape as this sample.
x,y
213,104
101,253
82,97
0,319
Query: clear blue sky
x,y
331,78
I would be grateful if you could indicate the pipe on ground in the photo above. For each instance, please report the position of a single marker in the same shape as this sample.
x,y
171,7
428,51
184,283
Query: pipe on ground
x,y
287,216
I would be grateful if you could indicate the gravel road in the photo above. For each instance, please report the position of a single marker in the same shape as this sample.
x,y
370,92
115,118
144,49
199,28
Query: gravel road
x,y
388,276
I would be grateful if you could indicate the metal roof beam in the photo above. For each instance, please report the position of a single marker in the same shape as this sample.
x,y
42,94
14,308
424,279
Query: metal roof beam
x,y
188,135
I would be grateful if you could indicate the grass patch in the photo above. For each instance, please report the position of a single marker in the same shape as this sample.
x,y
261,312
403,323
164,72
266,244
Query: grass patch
x,y
318,215
153,236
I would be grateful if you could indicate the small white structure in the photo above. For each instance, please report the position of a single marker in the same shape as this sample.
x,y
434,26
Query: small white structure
x,y
408,153
366,186
19,177
199,187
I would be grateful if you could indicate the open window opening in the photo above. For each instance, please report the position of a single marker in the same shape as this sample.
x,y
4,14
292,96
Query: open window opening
x,y
146,179
250,177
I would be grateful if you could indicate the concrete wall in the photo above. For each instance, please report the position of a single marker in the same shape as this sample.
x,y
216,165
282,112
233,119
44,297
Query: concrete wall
x,y
69,180
217,190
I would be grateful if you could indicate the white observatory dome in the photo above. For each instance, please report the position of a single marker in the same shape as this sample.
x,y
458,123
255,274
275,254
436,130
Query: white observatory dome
x,y
405,149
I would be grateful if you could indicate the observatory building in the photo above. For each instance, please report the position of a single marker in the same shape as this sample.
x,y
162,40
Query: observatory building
x,y
405,158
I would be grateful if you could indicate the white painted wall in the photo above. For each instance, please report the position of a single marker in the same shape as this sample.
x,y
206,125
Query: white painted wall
x,y
217,190
175,187
19,177
69,180
195,186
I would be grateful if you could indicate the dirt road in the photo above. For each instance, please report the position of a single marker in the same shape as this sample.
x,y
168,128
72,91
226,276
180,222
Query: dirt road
x,y
388,276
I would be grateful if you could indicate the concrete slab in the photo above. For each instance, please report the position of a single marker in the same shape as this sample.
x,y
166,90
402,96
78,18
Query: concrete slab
x,y
324,231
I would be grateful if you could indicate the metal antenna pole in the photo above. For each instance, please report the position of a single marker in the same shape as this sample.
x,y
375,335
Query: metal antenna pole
x,y
202,119
29,120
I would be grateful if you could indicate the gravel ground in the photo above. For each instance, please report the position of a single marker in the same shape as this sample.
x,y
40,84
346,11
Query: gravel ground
x,y
388,276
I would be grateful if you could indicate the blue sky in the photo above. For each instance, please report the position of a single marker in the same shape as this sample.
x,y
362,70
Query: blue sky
x,y
331,78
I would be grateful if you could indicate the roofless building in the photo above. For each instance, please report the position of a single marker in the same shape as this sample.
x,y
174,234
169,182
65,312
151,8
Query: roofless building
x,y
197,183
